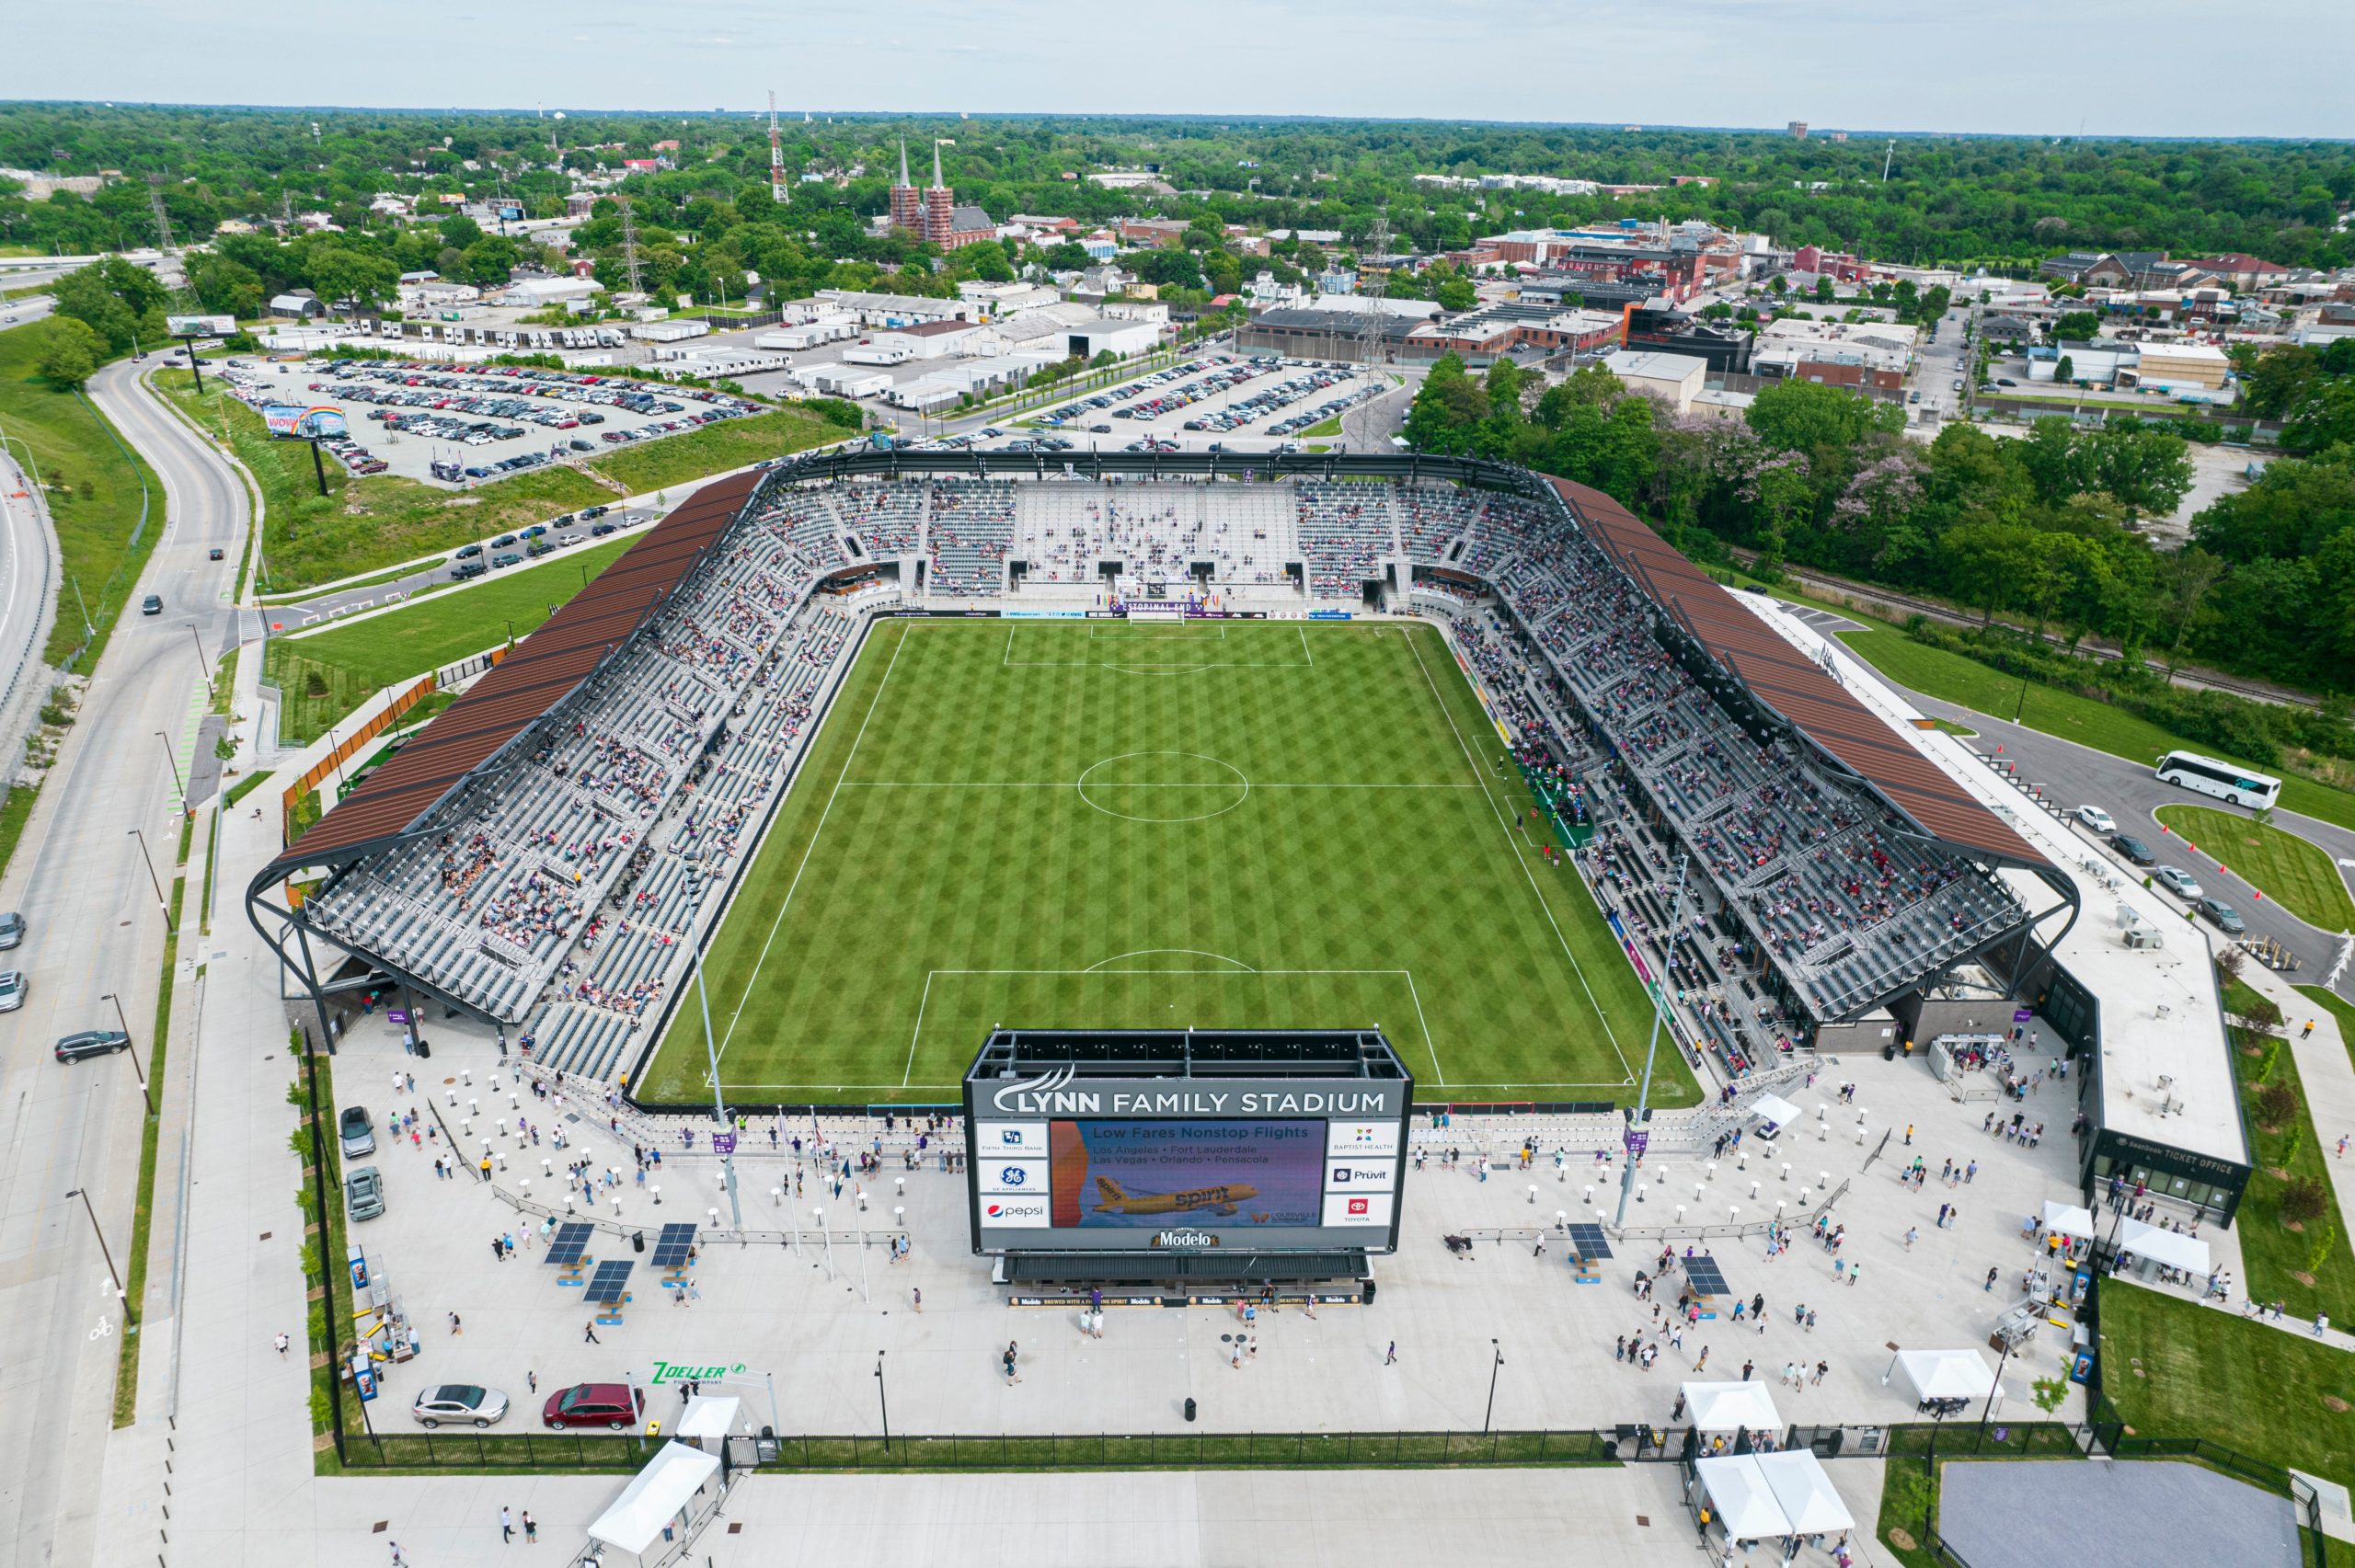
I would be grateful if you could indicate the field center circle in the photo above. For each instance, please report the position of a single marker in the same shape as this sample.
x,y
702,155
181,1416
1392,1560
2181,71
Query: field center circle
x,y
1163,786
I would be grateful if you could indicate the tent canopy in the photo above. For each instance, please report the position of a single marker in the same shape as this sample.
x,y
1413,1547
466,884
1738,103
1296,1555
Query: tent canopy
x,y
2170,1247
708,1415
1947,1374
1738,1491
2068,1219
1724,1407
1803,1491
1775,1109
654,1497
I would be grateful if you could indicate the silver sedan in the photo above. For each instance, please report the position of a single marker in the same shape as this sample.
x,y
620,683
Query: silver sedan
x,y
458,1404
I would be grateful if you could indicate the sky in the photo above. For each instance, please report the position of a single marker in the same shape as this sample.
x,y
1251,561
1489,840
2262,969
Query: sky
x,y
2105,67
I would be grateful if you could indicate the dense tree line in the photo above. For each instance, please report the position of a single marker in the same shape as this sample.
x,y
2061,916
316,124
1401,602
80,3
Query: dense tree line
x,y
2001,200
2043,527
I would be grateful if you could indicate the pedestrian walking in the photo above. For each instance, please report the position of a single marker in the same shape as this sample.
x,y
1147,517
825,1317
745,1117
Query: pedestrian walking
x,y
531,1381
2308,1032
2321,1319
531,1529
506,1525
1990,1287
1969,1170
919,1298
398,1561
588,1334
1854,1270
1746,1368
1703,1364
1909,1135
455,1327
1390,1355
282,1346
1911,1233
1012,1355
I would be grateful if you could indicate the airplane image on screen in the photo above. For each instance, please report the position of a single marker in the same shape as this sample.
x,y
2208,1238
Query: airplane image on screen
x,y
1111,1199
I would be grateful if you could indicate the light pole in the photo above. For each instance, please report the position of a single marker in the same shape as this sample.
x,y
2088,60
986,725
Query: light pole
x,y
202,662
169,928
179,782
1993,1387
135,1071
1495,1366
883,1398
83,1194
719,1106
1659,1010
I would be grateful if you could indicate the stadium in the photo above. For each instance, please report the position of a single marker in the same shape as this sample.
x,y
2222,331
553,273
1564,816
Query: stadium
x,y
908,748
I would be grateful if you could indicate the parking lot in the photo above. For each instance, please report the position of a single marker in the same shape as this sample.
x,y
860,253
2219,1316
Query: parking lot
x,y
449,425
1212,400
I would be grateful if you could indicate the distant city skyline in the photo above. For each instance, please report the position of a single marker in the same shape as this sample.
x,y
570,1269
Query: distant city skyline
x,y
1859,66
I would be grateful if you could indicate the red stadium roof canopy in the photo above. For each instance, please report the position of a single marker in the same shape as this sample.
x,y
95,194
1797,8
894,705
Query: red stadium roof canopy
x,y
540,670
1785,680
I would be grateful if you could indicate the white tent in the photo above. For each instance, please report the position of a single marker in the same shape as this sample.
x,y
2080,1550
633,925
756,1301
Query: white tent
x,y
1803,1491
1947,1374
2170,1247
708,1415
2067,1218
655,1497
1726,1407
1775,1109
1739,1494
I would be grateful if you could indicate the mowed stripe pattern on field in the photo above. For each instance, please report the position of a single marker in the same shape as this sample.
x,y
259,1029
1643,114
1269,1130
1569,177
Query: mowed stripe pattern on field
x,y
939,861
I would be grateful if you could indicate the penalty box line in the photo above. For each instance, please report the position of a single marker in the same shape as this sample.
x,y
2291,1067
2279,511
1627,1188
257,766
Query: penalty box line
x,y
916,1034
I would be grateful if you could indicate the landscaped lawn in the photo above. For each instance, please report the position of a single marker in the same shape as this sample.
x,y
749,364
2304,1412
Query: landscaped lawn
x,y
93,490
325,674
2273,1254
2209,1373
2293,872
363,525
1952,678
715,449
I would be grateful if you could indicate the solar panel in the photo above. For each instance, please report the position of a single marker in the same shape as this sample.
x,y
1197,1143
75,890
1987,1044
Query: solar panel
x,y
605,1285
671,1248
571,1241
1707,1277
1589,1242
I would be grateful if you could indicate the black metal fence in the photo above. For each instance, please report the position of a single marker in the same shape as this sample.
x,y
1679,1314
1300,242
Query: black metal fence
x,y
1002,1451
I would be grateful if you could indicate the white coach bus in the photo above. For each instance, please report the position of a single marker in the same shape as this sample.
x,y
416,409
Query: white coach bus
x,y
2226,781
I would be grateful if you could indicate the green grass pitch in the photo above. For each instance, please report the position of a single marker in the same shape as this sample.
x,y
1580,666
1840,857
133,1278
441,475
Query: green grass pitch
x,y
1096,824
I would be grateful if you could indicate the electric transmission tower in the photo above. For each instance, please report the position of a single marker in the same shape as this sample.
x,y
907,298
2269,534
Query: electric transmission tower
x,y
629,242
1377,244
163,220
777,192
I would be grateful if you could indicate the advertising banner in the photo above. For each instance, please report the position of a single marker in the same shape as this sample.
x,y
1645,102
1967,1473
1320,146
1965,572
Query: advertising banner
x,y
283,418
201,326
1210,1175
323,421
1358,1208
1010,1175
1015,1213
1362,1140
1009,1139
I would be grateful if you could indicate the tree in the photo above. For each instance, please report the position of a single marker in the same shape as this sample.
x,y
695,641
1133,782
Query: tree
x,y
2278,381
2076,326
2066,371
1448,410
71,355
2184,582
2146,467
2324,417
1456,294
2305,1199
1802,416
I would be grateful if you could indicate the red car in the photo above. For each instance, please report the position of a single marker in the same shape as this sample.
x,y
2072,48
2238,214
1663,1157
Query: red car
x,y
614,1405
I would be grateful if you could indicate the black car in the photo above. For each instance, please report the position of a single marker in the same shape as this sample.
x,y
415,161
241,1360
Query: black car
x,y
92,1043
212,554
466,550
152,605
2133,849
466,570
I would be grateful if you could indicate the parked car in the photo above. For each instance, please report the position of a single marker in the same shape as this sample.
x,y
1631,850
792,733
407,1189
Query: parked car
x,y
459,1403
2094,817
613,1406
2133,849
466,550
2225,918
2176,880
12,929
12,990
363,1194
505,558
92,1043
152,605
359,1135
503,540
466,570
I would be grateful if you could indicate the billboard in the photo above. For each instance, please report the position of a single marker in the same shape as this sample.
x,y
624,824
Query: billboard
x,y
201,326
1125,1154
286,419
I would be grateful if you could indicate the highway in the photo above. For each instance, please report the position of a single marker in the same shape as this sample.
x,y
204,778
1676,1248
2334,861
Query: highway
x,y
96,928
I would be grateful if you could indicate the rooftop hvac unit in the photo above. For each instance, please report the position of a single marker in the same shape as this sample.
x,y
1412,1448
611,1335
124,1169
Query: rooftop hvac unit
x,y
2144,936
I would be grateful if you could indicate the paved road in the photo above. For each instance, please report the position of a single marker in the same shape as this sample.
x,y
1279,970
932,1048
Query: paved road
x,y
95,929
21,312
2131,792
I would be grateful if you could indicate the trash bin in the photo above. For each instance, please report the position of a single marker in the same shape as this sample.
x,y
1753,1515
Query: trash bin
x,y
1190,1407
638,1241
1888,1051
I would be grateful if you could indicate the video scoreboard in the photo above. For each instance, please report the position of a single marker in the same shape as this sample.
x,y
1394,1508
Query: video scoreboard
x,y
1186,1141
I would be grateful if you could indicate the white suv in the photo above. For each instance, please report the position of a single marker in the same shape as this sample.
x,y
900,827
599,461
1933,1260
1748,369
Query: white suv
x,y
2094,817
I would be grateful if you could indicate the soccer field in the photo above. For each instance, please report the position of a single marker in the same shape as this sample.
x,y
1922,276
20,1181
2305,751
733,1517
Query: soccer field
x,y
1063,824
